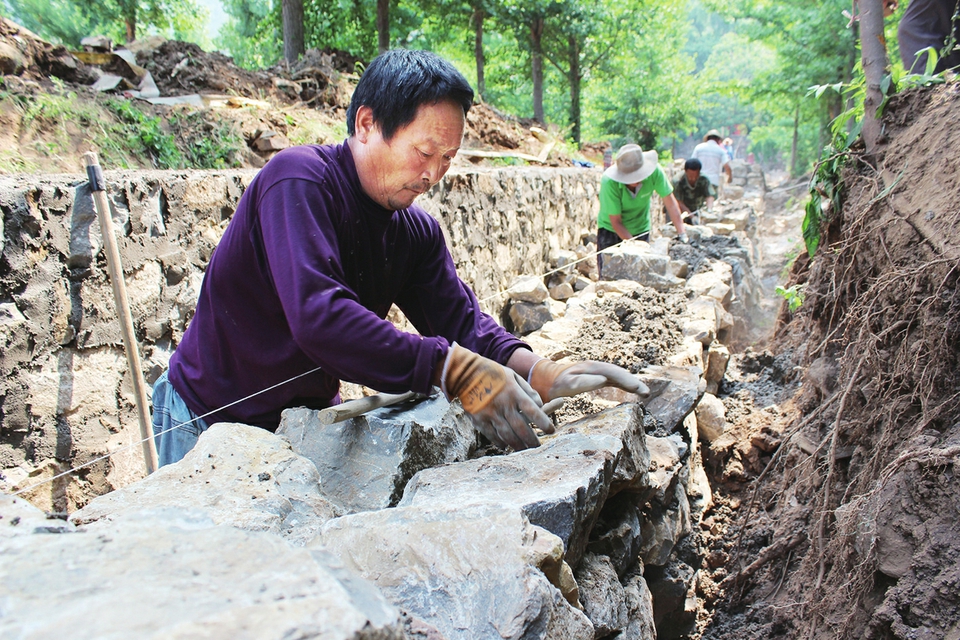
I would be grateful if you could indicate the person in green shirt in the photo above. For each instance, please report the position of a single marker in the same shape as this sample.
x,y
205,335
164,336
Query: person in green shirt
x,y
625,192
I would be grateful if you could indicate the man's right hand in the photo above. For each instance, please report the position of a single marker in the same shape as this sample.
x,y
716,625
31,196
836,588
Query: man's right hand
x,y
500,402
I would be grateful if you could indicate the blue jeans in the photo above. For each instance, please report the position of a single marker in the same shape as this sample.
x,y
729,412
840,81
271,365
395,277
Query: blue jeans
x,y
175,427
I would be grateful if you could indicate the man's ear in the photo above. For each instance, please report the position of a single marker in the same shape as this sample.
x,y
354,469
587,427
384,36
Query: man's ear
x,y
364,123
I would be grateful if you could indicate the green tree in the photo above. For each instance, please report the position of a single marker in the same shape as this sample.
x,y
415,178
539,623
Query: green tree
x,y
67,21
250,34
453,20
645,95
578,38
528,19
813,44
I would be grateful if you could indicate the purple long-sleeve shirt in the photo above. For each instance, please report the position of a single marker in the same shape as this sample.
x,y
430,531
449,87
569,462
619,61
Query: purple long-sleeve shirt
x,y
304,276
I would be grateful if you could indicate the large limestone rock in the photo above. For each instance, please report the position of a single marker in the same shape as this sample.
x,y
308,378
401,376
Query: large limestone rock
x,y
171,573
236,474
717,283
365,462
701,320
699,491
528,289
666,462
559,486
637,261
475,572
20,518
624,422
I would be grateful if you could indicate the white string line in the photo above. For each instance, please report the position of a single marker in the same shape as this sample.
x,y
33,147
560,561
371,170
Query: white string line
x,y
176,426
566,266
279,384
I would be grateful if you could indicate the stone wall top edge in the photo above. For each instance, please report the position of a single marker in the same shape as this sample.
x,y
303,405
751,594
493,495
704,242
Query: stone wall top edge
x,y
114,176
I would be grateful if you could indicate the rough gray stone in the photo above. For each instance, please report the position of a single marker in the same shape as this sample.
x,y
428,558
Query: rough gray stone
x,y
365,462
711,417
639,602
718,357
665,524
173,573
716,283
560,485
475,572
674,392
666,459
562,291
602,595
528,317
616,534
635,260
528,289
674,600
701,320
236,474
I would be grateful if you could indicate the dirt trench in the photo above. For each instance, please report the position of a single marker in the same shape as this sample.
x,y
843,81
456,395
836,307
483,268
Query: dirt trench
x,y
836,509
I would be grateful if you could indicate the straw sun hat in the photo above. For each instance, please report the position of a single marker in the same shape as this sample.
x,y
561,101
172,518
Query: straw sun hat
x,y
632,165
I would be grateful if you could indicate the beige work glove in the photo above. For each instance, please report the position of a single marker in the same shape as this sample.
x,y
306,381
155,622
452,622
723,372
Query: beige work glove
x,y
500,402
552,380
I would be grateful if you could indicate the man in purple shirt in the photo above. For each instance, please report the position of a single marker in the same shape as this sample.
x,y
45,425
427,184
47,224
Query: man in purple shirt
x,y
322,243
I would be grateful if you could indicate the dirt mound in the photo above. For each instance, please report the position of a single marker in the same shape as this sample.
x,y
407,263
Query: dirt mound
x,y
25,55
181,68
847,527
48,103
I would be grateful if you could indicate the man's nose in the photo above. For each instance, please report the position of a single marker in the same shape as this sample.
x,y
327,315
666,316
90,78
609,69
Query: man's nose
x,y
434,170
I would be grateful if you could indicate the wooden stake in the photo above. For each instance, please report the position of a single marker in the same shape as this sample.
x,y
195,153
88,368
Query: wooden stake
x,y
98,187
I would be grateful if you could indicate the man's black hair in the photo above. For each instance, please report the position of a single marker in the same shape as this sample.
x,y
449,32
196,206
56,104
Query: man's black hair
x,y
397,82
693,163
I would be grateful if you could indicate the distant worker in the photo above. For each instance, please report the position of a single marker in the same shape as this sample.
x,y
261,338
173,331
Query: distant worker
x,y
928,23
714,160
692,190
727,145
625,192
323,241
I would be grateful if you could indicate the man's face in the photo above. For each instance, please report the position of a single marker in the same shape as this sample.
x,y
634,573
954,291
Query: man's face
x,y
418,155
692,175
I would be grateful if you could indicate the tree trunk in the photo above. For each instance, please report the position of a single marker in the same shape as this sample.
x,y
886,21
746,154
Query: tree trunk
x,y
574,79
873,49
383,25
128,9
292,14
478,15
536,67
793,144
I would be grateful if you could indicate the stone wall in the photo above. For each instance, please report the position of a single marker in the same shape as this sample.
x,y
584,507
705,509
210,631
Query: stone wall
x,y
65,392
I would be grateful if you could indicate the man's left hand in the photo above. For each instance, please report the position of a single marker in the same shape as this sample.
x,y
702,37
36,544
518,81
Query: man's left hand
x,y
552,380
